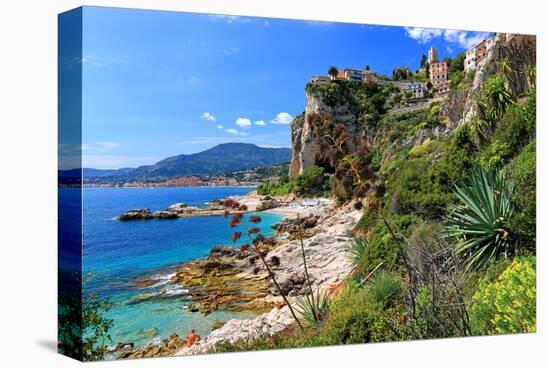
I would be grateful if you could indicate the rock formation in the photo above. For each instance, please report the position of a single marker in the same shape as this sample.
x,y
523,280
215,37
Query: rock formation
x,y
519,50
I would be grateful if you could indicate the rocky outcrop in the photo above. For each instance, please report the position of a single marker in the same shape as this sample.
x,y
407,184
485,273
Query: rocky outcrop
x,y
169,346
234,330
518,50
305,151
327,257
137,214
252,201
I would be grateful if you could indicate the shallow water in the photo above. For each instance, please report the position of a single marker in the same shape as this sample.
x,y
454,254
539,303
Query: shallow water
x,y
119,253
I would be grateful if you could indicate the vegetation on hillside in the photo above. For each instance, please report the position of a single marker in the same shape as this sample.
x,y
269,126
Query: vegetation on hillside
x,y
445,246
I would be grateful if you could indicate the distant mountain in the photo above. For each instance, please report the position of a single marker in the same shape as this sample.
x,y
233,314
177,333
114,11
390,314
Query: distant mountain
x,y
94,173
220,159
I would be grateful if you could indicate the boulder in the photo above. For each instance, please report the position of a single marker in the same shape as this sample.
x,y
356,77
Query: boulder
x,y
266,205
137,214
163,215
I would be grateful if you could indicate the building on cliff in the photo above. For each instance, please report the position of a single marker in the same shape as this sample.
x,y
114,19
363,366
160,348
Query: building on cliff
x,y
476,54
438,72
346,74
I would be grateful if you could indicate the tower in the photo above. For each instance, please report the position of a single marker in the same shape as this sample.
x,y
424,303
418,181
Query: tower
x,y
432,55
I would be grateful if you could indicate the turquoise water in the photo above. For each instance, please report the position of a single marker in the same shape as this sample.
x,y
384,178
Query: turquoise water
x,y
119,253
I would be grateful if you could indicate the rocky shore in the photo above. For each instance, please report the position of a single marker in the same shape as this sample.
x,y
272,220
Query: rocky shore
x,y
245,284
252,201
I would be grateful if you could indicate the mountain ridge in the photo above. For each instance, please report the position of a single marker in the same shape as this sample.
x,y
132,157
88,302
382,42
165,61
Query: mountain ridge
x,y
222,158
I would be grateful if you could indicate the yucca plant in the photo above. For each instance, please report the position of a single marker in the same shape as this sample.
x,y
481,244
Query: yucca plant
x,y
478,221
313,309
357,249
497,95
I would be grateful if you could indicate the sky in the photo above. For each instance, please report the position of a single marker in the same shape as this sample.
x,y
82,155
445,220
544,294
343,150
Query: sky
x,y
157,84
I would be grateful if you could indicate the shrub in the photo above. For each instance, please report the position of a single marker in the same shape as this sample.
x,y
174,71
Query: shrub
x,y
507,305
478,221
358,249
525,178
382,247
313,309
386,289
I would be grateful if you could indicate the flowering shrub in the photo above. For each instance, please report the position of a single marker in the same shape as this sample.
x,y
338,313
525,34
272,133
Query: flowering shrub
x,y
507,305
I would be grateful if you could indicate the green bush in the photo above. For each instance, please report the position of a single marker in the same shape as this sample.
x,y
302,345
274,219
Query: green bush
x,y
507,305
386,289
524,173
478,222
382,247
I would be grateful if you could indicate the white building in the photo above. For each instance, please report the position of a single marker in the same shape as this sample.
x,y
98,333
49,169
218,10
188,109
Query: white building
x,y
478,53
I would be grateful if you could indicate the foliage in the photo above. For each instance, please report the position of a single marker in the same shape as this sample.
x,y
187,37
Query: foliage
x,y
382,246
514,131
358,249
507,305
401,73
313,308
478,222
386,289
96,326
312,182
524,223
84,329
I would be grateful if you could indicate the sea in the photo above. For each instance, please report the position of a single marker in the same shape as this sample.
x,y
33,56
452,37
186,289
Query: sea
x,y
117,255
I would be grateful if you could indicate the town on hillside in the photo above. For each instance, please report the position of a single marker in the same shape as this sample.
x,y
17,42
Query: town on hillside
x,y
432,81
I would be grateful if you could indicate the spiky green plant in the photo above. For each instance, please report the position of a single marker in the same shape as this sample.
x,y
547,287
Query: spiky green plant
x,y
496,95
530,72
358,249
478,221
313,309
385,288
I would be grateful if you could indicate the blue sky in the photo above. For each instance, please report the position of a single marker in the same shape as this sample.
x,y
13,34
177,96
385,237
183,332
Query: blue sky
x,y
157,84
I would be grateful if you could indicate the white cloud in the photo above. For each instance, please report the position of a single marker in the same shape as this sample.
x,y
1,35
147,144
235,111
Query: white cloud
x,y
282,118
208,116
189,80
219,126
260,123
100,146
232,131
462,38
243,122
243,134
231,51
229,19
423,35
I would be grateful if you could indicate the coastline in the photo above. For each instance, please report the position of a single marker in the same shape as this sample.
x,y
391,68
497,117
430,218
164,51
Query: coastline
x,y
227,280
326,246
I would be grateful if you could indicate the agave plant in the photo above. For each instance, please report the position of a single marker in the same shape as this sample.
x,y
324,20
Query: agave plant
x,y
530,72
478,221
313,308
358,248
496,95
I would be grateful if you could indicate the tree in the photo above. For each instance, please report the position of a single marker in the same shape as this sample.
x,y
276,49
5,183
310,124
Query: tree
x,y
367,67
333,72
423,61
457,64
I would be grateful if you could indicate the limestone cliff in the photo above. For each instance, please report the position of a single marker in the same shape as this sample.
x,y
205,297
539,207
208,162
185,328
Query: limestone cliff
x,y
518,50
305,149
458,107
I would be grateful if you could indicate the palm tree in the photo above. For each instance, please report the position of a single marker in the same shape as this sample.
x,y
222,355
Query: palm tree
x,y
333,72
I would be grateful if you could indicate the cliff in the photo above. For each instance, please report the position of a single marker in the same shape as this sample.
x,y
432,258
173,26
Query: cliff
x,y
517,50
351,113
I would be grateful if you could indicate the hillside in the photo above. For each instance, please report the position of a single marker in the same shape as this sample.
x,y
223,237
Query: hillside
x,y
220,159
